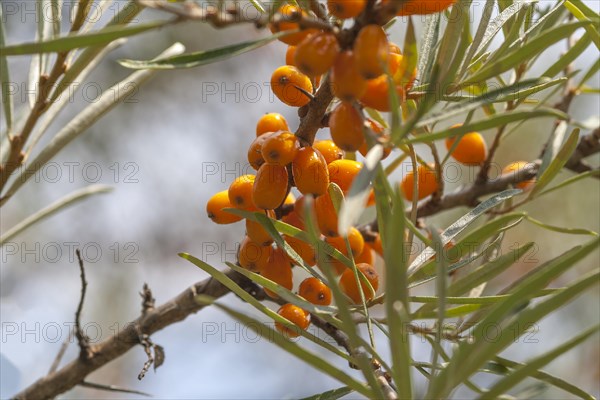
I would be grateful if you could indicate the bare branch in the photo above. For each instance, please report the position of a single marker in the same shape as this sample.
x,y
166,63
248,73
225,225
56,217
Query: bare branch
x,y
85,351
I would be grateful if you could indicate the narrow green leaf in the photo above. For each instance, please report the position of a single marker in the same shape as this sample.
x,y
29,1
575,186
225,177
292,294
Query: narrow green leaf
x,y
410,55
310,358
571,231
474,103
460,225
84,120
427,52
191,60
571,55
489,123
396,296
590,27
247,297
525,52
484,25
257,4
7,99
519,374
570,181
558,162
53,208
79,40
331,394
547,378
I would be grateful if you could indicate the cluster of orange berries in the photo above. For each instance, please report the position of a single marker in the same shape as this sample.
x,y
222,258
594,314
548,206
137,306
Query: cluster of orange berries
x,y
358,78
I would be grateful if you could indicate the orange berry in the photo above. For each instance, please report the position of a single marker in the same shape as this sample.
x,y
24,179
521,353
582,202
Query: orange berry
x,y
349,286
270,186
377,94
393,48
315,291
517,166
294,220
357,243
377,245
310,172
279,270
346,125
427,183
343,172
326,215
240,192
344,9
329,150
366,256
304,250
253,256
470,150
316,54
295,315
285,82
346,81
257,233
371,51
379,132
272,122
215,206
280,149
290,13
290,56
255,157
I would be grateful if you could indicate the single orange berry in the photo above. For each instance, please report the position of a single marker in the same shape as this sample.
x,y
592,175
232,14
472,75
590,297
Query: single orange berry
x,y
253,256
257,233
270,186
377,94
297,316
310,172
240,192
329,150
255,157
279,270
290,56
316,54
346,81
377,129
291,14
371,51
346,126
215,209
426,179
315,291
288,84
272,122
470,150
356,240
326,215
366,256
304,249
280,149
349,286
343,172
344,9
515,167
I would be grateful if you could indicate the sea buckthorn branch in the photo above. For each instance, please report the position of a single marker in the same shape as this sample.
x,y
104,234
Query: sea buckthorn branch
x,y
155,319
588,145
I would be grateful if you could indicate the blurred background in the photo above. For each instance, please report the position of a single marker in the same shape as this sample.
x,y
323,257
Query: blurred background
x,y
180,138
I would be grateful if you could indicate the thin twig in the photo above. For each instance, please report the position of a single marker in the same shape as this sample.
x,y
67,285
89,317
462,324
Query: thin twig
x,y
83,341
112,388
59,355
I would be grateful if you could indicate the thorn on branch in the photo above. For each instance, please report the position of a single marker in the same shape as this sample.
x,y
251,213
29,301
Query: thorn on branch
x,y
85,351
112,388
148,301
